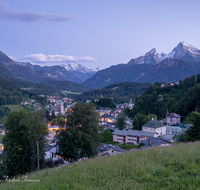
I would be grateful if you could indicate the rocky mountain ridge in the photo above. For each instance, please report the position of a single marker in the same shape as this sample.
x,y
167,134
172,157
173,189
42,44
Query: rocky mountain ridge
x,y
183,51
183,61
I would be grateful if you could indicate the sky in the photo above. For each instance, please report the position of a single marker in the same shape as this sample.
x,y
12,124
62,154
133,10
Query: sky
x,y
95,33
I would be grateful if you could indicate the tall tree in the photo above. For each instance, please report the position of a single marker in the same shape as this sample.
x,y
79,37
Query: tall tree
x,y
194,131
107,136
136,124
18,153
53,116
121,124
138,121
39,131
81,137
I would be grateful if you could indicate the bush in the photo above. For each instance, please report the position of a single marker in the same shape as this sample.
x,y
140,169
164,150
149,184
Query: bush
x,y
58,162
51,163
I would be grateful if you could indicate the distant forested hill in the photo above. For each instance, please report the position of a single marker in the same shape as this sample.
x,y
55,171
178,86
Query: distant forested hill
x,y
116,74
120,92
38,88
182,99
12,95
69,86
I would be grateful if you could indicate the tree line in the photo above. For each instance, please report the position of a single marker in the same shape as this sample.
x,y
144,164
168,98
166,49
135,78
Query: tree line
x,y
119,92
182,99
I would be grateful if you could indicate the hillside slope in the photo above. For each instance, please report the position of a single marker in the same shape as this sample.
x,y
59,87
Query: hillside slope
x,y
120,92
116,74
68,86
174,167
170,70
31,73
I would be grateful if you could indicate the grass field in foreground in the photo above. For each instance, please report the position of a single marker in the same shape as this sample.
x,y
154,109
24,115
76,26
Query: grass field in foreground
x,y
175,167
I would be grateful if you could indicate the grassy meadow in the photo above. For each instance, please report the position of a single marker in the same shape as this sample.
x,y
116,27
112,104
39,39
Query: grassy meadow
x,y
1,136
15,107
175,167
12,108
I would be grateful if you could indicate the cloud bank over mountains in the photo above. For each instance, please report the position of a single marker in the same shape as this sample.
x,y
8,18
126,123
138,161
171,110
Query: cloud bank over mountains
x,y
41,58
27,16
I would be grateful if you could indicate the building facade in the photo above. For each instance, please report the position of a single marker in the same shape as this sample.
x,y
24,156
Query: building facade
x,y
155,126
173,118
131,136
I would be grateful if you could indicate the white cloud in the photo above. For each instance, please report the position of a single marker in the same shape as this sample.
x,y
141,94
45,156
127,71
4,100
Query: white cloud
x,y
41,58
27,16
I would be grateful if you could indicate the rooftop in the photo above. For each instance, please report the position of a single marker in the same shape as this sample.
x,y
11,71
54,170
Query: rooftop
x,y
133,133
154,142
154,123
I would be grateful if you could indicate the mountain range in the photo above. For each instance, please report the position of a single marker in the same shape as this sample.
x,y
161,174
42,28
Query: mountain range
x,y
183,61
70,72
35,73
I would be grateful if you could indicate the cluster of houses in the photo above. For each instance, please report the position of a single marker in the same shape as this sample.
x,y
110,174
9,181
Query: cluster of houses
x,y
109,116
169,84
55,99
36,104
57,104
153,133
27,102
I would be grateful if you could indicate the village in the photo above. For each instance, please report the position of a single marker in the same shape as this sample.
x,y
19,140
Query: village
x,y
153,133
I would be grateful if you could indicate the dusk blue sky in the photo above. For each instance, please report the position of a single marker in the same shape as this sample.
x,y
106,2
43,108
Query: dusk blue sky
x,y
95,33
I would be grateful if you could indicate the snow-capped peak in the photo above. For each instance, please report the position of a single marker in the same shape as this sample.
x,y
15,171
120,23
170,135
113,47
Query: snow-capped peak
x,y
183,51
78,67
186,44
97,69
180,51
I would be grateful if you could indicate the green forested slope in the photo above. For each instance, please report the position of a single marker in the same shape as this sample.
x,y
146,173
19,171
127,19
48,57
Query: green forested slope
x,y
120,92
116,74
12,95
69,86
182,99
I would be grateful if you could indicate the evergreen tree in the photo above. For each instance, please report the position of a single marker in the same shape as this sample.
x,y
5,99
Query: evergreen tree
x,y
19,150
121,124
53,116
138,121
107,136
136,124
194,131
